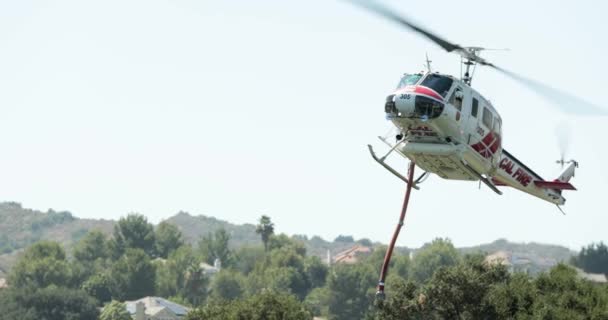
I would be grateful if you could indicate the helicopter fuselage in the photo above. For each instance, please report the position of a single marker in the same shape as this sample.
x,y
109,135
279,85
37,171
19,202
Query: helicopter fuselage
x,y
448,128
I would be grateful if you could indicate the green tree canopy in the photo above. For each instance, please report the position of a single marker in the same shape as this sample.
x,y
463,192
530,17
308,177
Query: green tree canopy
x,y
42,264
196,285
440,252
50,303
98,286
351,290
180,276
283,241
593,258
93,246
133,231
283,269
317,301
115,310
268,305
343,238
472,289
215,246
316,271
227,285
168,239
132,276
246,258
565,296
459,291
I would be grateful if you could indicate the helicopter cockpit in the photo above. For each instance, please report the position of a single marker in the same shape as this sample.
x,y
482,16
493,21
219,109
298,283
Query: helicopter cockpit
x,y
441,84
427,104
409,80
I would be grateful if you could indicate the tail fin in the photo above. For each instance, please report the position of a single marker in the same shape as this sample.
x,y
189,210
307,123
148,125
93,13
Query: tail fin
x,y
562,182
568,173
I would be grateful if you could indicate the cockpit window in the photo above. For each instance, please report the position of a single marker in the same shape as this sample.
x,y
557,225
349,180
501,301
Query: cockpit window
x,y
409,80
487,118
456,98
496,125
439,83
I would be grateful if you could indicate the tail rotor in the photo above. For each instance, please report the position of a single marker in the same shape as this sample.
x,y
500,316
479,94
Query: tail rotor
x,y
563,141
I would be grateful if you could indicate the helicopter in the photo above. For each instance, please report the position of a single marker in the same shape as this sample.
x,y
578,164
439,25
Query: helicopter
x,y
447,128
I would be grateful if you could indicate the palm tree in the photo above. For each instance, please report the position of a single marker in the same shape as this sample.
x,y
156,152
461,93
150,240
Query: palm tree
x,y
265,228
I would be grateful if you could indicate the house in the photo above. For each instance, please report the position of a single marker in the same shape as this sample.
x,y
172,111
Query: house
x,y
593,277
155,308
514,263
210,270
499,258
352,255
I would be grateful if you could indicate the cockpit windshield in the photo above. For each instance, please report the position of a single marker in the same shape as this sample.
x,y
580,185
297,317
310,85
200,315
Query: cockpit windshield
x,y
409,79
441,84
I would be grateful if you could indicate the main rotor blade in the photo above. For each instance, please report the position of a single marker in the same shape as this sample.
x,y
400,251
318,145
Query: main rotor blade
x,y
565,101
389,14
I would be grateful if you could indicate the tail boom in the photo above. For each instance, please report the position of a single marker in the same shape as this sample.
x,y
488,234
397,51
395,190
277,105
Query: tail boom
x,y
513,173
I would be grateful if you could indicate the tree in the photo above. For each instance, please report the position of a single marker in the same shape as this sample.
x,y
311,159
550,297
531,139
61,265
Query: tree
x,y
132,276
195,286
180,276
515,298
317,301
215,246
440,252
227,285
246,258
401,266
455,292
473,289
168,239
365,242
93,246
565,296
593,258
403,303
343,238
283,241
98,286
91,257
283,269
459,291
50,303
316,271
42,264
265,229
115,310
134,231
352,290
268,305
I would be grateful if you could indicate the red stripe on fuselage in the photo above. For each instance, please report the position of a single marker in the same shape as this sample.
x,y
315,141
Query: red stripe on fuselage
x,y
428,92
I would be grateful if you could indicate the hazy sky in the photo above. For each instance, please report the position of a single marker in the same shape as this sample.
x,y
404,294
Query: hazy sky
x,y
236,109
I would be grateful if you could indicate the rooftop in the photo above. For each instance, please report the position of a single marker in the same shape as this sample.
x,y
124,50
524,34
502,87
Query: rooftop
x,y
156,304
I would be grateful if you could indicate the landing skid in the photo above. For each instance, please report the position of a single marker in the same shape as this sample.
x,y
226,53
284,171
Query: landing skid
x,y
389,168
483,179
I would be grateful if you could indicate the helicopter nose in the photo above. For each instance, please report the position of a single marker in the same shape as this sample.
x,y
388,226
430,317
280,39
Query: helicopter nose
x,y
389,106
402,103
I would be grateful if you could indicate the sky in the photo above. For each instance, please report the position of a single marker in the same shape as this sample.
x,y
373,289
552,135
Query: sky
x,y
237,109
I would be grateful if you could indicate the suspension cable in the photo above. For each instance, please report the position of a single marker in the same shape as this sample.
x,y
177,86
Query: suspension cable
x,y
389,252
